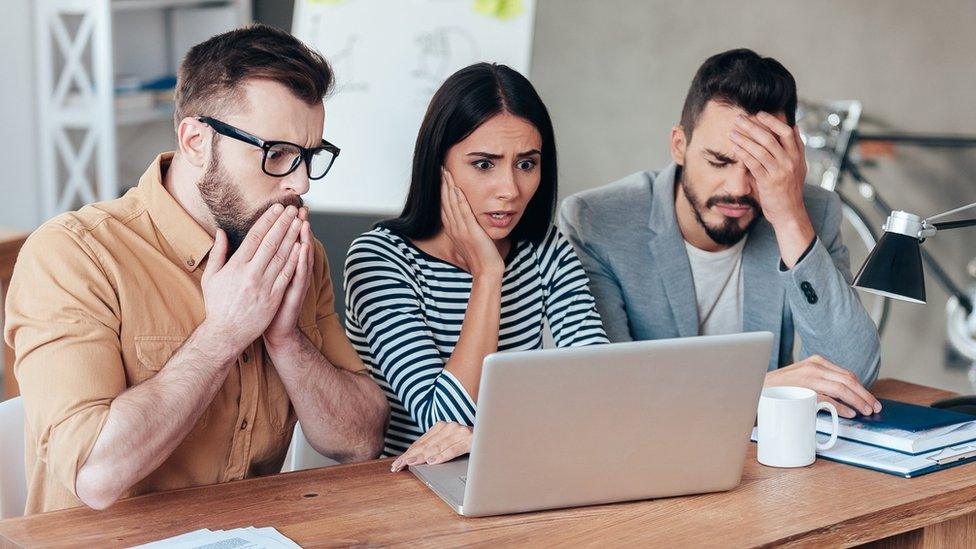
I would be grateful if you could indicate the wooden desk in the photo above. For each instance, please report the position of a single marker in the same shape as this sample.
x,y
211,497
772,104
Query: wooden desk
x,y
826,504
10,243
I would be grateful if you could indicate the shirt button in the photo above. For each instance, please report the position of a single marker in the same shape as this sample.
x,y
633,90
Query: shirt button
x,y
244,425
191,262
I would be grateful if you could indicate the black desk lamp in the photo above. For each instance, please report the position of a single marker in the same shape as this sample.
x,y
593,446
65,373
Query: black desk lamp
x,y
894,269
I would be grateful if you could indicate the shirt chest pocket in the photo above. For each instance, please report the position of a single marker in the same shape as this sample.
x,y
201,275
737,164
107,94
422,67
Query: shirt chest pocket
x,y
153,352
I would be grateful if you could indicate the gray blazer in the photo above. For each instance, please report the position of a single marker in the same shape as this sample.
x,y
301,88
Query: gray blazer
x,y
627,237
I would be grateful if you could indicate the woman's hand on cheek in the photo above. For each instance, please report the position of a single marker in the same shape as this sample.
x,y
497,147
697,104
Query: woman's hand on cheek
x,y
469,237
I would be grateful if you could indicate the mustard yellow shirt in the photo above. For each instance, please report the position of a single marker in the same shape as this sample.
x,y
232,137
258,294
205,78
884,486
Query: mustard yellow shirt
x,y
99,301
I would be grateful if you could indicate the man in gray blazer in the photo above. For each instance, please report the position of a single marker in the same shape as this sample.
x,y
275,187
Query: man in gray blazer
x,y
728,239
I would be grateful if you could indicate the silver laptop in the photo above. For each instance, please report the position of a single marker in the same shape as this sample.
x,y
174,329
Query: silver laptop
x,y
607,423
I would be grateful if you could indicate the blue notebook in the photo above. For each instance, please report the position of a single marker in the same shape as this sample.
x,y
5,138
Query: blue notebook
x,y
912,417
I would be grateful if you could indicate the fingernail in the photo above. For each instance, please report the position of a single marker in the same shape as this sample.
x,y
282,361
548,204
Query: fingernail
x,y
431,461
412,461
277,208
867,411
877,407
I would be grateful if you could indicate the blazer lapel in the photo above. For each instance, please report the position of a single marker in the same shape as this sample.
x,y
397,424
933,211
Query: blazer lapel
x,y
762,304
670,256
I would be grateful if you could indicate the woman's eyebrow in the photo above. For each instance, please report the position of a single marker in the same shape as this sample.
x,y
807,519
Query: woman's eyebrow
x,y
494,156
486,155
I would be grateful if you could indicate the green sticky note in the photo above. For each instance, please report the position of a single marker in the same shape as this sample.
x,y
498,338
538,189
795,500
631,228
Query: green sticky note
x,y
499,9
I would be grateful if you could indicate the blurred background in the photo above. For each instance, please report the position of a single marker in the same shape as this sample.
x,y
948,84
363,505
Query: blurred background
x,y
613,74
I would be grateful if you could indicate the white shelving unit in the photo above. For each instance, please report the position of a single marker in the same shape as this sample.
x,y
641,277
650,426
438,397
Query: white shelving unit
x,y
80,46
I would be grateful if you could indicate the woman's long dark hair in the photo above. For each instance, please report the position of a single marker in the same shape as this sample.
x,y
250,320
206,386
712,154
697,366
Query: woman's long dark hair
x,y
466,100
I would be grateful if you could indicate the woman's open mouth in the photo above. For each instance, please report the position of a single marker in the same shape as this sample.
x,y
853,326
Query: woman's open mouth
x,y
500,219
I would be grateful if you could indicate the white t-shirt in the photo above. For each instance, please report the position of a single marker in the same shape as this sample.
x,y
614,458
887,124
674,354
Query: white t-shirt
x,y
718,288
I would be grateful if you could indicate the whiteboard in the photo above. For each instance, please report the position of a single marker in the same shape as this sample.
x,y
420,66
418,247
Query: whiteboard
x,y
389,57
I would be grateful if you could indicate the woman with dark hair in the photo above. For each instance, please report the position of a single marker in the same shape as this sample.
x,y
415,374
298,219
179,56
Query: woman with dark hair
x,y
472,265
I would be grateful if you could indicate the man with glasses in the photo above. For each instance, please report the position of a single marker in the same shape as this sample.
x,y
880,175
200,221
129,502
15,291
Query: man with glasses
x,y
174,336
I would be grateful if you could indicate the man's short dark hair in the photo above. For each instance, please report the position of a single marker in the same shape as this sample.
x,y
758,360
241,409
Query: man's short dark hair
x,y
744,79
211,76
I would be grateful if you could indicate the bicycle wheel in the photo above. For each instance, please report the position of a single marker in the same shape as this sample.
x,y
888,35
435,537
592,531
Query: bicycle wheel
x,y
860,238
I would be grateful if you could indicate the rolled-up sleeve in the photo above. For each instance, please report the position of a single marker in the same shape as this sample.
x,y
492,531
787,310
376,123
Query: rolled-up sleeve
x,y
62,321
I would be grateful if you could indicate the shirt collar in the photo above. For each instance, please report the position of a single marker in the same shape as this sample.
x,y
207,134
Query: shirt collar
x,y
189,240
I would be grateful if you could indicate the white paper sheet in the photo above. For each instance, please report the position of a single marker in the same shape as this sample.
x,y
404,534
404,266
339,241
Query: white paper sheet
x,y
238,538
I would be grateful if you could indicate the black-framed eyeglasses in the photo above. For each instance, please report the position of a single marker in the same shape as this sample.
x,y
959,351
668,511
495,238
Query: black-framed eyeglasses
x,y
282,157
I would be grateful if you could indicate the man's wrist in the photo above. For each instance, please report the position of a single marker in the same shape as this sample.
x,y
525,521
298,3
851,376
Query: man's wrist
x,y
794,235
280,342
216,344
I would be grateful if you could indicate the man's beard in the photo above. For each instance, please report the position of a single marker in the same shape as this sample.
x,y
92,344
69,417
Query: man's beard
x,y
728,233
227,205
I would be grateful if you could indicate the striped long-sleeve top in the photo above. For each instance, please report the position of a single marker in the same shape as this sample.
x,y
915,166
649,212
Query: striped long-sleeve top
x,y
404,310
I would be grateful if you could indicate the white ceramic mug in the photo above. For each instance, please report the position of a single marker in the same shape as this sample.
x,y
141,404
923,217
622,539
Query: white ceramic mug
x,y
788,427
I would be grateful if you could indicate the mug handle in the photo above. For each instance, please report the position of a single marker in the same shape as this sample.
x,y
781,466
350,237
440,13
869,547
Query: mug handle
x,y
835,427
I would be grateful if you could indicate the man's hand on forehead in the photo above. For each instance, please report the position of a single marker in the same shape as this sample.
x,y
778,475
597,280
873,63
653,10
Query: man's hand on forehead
x,y
774,155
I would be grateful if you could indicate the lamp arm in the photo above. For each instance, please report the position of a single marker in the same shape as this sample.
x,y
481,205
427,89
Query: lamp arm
x,y
946,225
952,211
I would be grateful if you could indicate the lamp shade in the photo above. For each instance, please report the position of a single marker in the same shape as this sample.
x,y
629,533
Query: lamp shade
x,y
894,269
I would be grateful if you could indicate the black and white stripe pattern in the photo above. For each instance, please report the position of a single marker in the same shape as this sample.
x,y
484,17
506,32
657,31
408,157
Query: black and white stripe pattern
x,y
404,310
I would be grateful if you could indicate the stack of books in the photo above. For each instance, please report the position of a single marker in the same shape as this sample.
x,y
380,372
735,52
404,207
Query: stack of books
x,y
904,439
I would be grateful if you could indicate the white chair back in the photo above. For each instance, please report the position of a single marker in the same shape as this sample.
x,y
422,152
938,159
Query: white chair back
x,y
302,456
13,480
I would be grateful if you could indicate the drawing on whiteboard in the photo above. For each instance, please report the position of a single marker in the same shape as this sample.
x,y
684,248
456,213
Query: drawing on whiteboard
x,y
441,52
344,63
389,57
